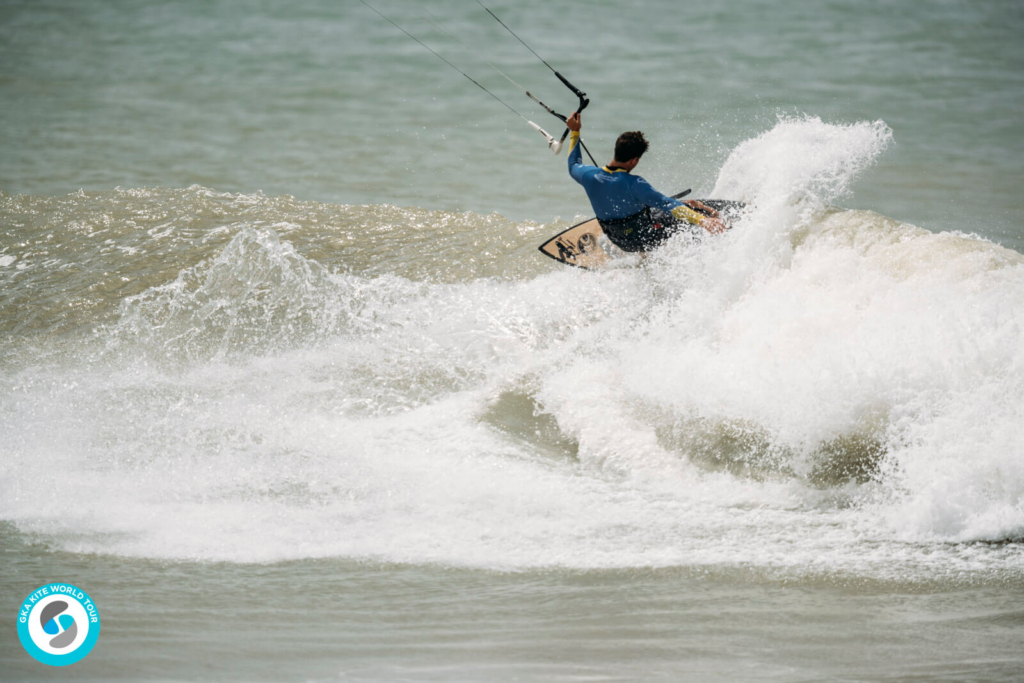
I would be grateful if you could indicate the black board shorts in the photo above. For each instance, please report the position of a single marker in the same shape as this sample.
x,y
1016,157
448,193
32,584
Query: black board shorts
x,y
645,230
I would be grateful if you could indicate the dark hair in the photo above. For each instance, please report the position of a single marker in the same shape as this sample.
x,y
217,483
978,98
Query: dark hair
x,y
630,145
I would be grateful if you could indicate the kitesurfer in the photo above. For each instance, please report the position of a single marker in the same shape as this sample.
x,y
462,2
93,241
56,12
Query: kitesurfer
x,y
634,215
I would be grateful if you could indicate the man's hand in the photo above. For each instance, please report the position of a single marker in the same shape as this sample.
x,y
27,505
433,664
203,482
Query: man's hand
x,y
714,225
573,123
701,206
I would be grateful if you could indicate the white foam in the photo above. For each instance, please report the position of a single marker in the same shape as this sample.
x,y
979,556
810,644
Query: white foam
x,y
816,391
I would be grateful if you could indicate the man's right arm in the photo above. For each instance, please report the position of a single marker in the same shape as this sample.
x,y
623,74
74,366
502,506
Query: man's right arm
x,y
576,165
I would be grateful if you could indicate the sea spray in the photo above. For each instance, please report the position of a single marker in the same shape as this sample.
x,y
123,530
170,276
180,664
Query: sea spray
x,y
788,175
801,160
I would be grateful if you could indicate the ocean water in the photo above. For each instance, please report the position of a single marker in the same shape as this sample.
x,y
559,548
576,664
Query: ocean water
x,y
287,388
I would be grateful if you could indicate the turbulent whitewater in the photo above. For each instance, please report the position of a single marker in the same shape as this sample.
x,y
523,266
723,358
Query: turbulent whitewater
x,y
194,374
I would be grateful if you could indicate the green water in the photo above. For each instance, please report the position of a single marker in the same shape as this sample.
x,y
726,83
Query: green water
x,y
326,101
328,620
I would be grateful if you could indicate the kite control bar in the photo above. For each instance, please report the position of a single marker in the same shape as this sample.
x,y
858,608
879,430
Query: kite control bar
x,y
576,91
556,145
582,105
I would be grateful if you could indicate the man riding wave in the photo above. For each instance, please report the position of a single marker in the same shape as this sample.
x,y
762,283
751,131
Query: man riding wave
x,y
634,215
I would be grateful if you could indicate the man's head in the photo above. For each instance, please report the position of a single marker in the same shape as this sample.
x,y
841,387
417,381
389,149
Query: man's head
x,y
630,145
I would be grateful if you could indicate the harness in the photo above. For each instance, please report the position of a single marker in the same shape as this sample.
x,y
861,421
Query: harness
x,y
642,231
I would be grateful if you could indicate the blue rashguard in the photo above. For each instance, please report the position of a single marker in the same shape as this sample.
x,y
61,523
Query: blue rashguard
x,y
614,193
633,214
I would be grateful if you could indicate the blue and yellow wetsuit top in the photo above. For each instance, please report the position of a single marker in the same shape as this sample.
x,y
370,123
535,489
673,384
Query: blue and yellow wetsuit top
x,y
633,214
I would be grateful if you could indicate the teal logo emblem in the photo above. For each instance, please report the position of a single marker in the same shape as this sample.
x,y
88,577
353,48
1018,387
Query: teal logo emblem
x,y
58,624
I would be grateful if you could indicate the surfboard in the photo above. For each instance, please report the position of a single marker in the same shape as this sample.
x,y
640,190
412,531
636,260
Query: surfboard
x,y
585,245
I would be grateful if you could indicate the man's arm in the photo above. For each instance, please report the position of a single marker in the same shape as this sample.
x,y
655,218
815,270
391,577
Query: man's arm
x,y
701,206
651,197
576,165
648,196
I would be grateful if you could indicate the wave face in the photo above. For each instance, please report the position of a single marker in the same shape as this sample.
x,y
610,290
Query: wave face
x,y
189,374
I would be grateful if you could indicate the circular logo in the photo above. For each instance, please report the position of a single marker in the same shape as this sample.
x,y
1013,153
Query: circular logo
x,y
586,242
58,624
